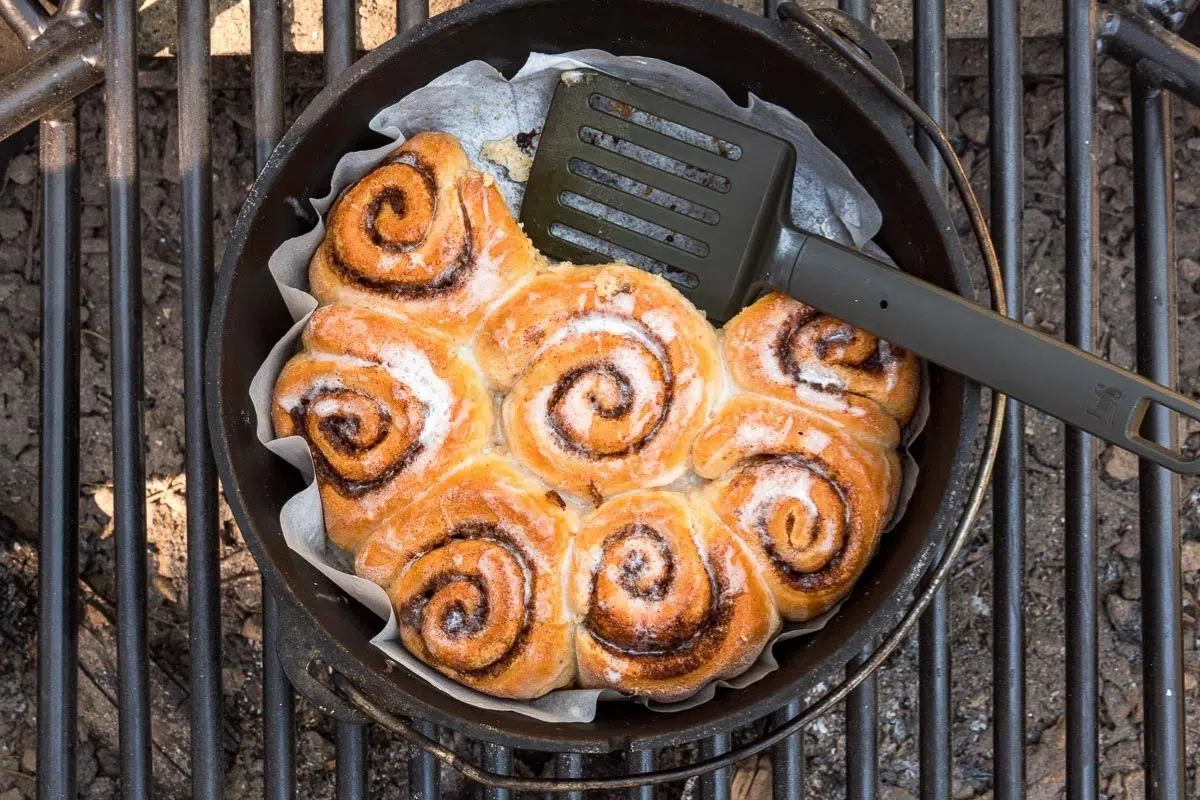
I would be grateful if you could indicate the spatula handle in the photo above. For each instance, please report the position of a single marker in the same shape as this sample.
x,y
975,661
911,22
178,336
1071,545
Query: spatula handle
x,y
1078,388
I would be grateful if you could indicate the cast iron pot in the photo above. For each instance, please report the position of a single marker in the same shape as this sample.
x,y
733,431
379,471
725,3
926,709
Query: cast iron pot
x,y
323,630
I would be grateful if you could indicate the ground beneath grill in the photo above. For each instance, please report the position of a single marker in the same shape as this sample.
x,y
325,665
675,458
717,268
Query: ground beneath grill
x,y
970,588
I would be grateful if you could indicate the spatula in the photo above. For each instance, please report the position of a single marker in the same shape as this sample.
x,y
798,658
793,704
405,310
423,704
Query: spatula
x,y
622,171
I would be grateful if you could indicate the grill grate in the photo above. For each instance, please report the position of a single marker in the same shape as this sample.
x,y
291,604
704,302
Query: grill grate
x,y
1159,501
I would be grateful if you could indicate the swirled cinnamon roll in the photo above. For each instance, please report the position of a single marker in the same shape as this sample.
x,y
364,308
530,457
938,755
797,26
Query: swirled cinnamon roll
x,y
425,233
667,598
475,573
385,408
809,499
780,347
609,373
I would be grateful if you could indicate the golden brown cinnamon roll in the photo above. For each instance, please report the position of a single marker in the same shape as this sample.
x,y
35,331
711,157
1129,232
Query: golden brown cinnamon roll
x,y
667,598
385,407
783,348
425,233
475,573
609,373
809,499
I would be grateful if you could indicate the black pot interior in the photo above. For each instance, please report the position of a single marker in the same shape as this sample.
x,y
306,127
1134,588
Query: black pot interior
x,y
741,53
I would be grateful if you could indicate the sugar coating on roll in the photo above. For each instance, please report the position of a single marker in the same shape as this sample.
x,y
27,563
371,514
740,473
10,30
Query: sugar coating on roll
x,y
807,498
475,573
385,406
668,600
607,374
426,234
783,348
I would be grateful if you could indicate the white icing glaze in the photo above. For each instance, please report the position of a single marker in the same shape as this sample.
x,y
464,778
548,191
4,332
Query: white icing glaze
x,y
773,486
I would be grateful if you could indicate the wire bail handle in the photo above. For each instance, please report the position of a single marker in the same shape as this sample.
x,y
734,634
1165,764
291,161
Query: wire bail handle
x,y
857,45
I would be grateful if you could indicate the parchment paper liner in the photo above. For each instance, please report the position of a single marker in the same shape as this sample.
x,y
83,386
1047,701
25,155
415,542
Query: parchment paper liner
x,y
476,104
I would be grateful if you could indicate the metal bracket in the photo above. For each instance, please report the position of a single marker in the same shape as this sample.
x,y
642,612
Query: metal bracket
x,y
70,60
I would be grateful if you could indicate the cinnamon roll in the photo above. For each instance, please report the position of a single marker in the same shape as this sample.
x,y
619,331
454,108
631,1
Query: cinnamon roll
x,y
809,499
385,407
608,371
475,573
426,234
780,347
667,598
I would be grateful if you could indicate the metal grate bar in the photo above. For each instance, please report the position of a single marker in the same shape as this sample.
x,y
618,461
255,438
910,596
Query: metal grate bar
x,y
204,570
499,759
339,30
716,784
787,759
640,761
862,737
266,44
1079,34
1157,359
410,13
422,767
351,761
129,467
58,554
338,22
1007,133
929,73
279,702
862,733
859,9
279,711
569,765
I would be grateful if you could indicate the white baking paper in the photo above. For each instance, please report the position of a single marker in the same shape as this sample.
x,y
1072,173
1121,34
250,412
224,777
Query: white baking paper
x,y
477,104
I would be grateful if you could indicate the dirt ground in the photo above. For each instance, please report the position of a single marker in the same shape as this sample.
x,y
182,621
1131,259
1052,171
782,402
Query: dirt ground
x,y
970,589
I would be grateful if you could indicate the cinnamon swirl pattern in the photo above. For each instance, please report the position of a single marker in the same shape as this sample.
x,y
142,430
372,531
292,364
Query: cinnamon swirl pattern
x,y
385,408
436,311
608,374
475,573
425,234
783,348
809,499
667,598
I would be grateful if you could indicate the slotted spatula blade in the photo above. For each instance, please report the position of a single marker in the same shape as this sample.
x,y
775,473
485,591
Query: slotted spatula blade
x,y
626,173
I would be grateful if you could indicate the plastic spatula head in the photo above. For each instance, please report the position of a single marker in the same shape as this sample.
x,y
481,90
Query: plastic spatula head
x,y
623,172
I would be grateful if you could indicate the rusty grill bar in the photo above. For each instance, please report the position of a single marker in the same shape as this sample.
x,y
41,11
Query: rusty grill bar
x,y
74,62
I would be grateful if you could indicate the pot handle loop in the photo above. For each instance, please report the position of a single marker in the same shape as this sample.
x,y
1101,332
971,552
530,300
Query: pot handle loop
x,y
300,654
858,34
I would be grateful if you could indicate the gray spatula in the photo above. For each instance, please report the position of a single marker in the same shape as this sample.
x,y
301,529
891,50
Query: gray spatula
x,y
625,172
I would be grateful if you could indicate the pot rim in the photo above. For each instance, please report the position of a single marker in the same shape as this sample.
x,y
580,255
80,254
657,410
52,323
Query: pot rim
x,y
288,589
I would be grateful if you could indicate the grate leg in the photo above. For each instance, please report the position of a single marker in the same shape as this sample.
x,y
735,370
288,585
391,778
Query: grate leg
x,y
640,761
1157,357
422,767
569,765
787,759
58,507
351,761
862,755
716,784
498,759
